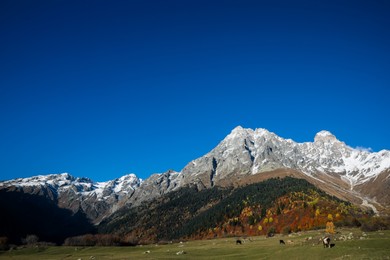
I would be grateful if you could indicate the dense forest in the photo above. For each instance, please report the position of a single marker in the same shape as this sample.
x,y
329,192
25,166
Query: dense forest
x,y
273,206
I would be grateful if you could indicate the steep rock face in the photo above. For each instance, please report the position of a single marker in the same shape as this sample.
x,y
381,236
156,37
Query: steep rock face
x,y
247,151
155,186
326,161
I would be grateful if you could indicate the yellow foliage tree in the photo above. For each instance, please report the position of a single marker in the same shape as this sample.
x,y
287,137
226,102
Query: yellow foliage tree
x,y
330,217
260,228
330,227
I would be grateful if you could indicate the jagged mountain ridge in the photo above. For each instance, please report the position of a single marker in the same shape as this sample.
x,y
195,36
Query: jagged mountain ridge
x,y
61,182
247,151
327,162
96,199
244,153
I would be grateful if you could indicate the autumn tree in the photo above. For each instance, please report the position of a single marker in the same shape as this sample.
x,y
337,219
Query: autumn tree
x,y
330,227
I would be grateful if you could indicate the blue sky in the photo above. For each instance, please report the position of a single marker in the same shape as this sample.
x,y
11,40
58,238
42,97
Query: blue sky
x,y
105,88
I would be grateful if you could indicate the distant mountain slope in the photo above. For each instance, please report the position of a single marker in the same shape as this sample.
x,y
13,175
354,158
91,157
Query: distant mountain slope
x,y
24,214
96,199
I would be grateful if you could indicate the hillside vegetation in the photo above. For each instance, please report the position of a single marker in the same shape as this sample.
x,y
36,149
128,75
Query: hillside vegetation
x,y
273,206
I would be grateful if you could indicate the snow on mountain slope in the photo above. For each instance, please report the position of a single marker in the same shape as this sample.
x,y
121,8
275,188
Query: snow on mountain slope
x,y
51,179
96,199
83,186
247,151
241,154
243,151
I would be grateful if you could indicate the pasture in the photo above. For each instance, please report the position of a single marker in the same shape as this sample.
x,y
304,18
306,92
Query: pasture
x,y
349,244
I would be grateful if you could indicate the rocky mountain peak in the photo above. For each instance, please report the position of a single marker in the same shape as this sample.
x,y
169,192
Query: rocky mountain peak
x,y
245,138
325,136
130,179
246,152
238,133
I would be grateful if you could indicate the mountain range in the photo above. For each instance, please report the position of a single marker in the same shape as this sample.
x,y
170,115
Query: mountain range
x,y
243,157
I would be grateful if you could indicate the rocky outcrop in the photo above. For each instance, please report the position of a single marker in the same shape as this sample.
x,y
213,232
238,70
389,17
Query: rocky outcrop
x,y
154,186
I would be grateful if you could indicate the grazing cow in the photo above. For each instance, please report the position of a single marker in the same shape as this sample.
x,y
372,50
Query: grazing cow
x,y
182,252
332,245
326,242
238,242
281,242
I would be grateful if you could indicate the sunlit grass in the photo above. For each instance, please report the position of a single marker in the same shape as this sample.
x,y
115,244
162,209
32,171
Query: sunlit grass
x,y
374,245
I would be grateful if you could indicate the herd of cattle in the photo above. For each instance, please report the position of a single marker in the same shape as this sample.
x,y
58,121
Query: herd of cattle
x,y
325,241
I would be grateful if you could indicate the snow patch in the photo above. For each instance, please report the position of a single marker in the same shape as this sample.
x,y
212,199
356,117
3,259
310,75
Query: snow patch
x,y
369,205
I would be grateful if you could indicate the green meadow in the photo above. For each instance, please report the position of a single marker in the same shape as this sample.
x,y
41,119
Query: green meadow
x,y
349,244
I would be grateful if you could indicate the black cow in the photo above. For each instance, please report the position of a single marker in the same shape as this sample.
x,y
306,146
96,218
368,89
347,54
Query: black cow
x,y
281,242
238,242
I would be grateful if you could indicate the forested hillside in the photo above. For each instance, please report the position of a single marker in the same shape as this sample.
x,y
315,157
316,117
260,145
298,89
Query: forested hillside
x,y
273,206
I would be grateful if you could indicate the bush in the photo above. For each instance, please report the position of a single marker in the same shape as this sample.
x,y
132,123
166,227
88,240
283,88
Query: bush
x,y
286,230
375,223
4,243
30,240
348,222
271,232
93,240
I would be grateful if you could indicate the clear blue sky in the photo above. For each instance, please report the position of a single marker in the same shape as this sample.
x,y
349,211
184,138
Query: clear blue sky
x,y
105,88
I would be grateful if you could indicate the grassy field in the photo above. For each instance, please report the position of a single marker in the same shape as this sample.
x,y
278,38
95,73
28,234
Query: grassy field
x,y
349,244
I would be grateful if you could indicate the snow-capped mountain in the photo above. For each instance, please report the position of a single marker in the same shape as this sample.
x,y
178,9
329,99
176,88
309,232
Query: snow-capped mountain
x,y
96,199
63,182
247,151
244,155
326,161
